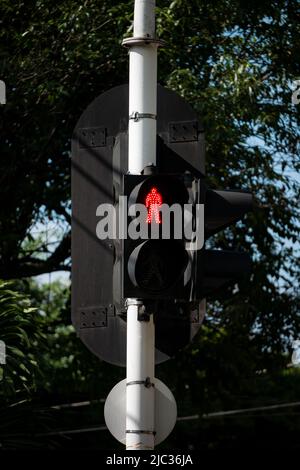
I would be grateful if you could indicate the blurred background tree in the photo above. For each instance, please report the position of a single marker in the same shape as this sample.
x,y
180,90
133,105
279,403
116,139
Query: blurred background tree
x,y
235,63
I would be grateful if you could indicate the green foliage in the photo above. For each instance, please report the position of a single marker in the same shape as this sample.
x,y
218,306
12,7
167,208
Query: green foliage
x,y
65,364
20,328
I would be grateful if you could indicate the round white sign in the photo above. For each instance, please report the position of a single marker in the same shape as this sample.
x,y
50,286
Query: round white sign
x,y
165,411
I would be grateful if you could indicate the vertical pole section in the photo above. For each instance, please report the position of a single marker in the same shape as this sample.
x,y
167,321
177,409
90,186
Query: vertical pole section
x,y
140,391
142,88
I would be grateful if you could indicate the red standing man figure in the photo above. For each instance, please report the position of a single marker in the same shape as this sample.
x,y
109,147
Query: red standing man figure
x,y
153,202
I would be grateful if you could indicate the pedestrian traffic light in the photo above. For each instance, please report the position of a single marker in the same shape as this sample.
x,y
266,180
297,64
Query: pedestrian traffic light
x,y
161,262
155,259
172,274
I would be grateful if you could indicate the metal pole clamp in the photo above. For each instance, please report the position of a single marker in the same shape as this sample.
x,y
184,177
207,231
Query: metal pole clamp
x,y
136,116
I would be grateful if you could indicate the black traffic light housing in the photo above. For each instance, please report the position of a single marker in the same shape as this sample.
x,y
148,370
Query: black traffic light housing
x,y
99,174
218,268
157,266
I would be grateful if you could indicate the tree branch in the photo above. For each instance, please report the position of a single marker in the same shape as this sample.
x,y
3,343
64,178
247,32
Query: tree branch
x,y
28,267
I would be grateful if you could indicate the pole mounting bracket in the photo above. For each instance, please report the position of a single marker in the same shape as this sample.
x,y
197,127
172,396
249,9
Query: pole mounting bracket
x,y
141,41
136,116
129,431
147,382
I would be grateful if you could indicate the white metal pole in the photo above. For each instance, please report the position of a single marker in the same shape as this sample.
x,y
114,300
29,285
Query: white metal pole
x,y
142,88
140,391
140,363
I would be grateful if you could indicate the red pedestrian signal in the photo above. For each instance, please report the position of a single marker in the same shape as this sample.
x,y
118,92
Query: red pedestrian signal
x,y
153,203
